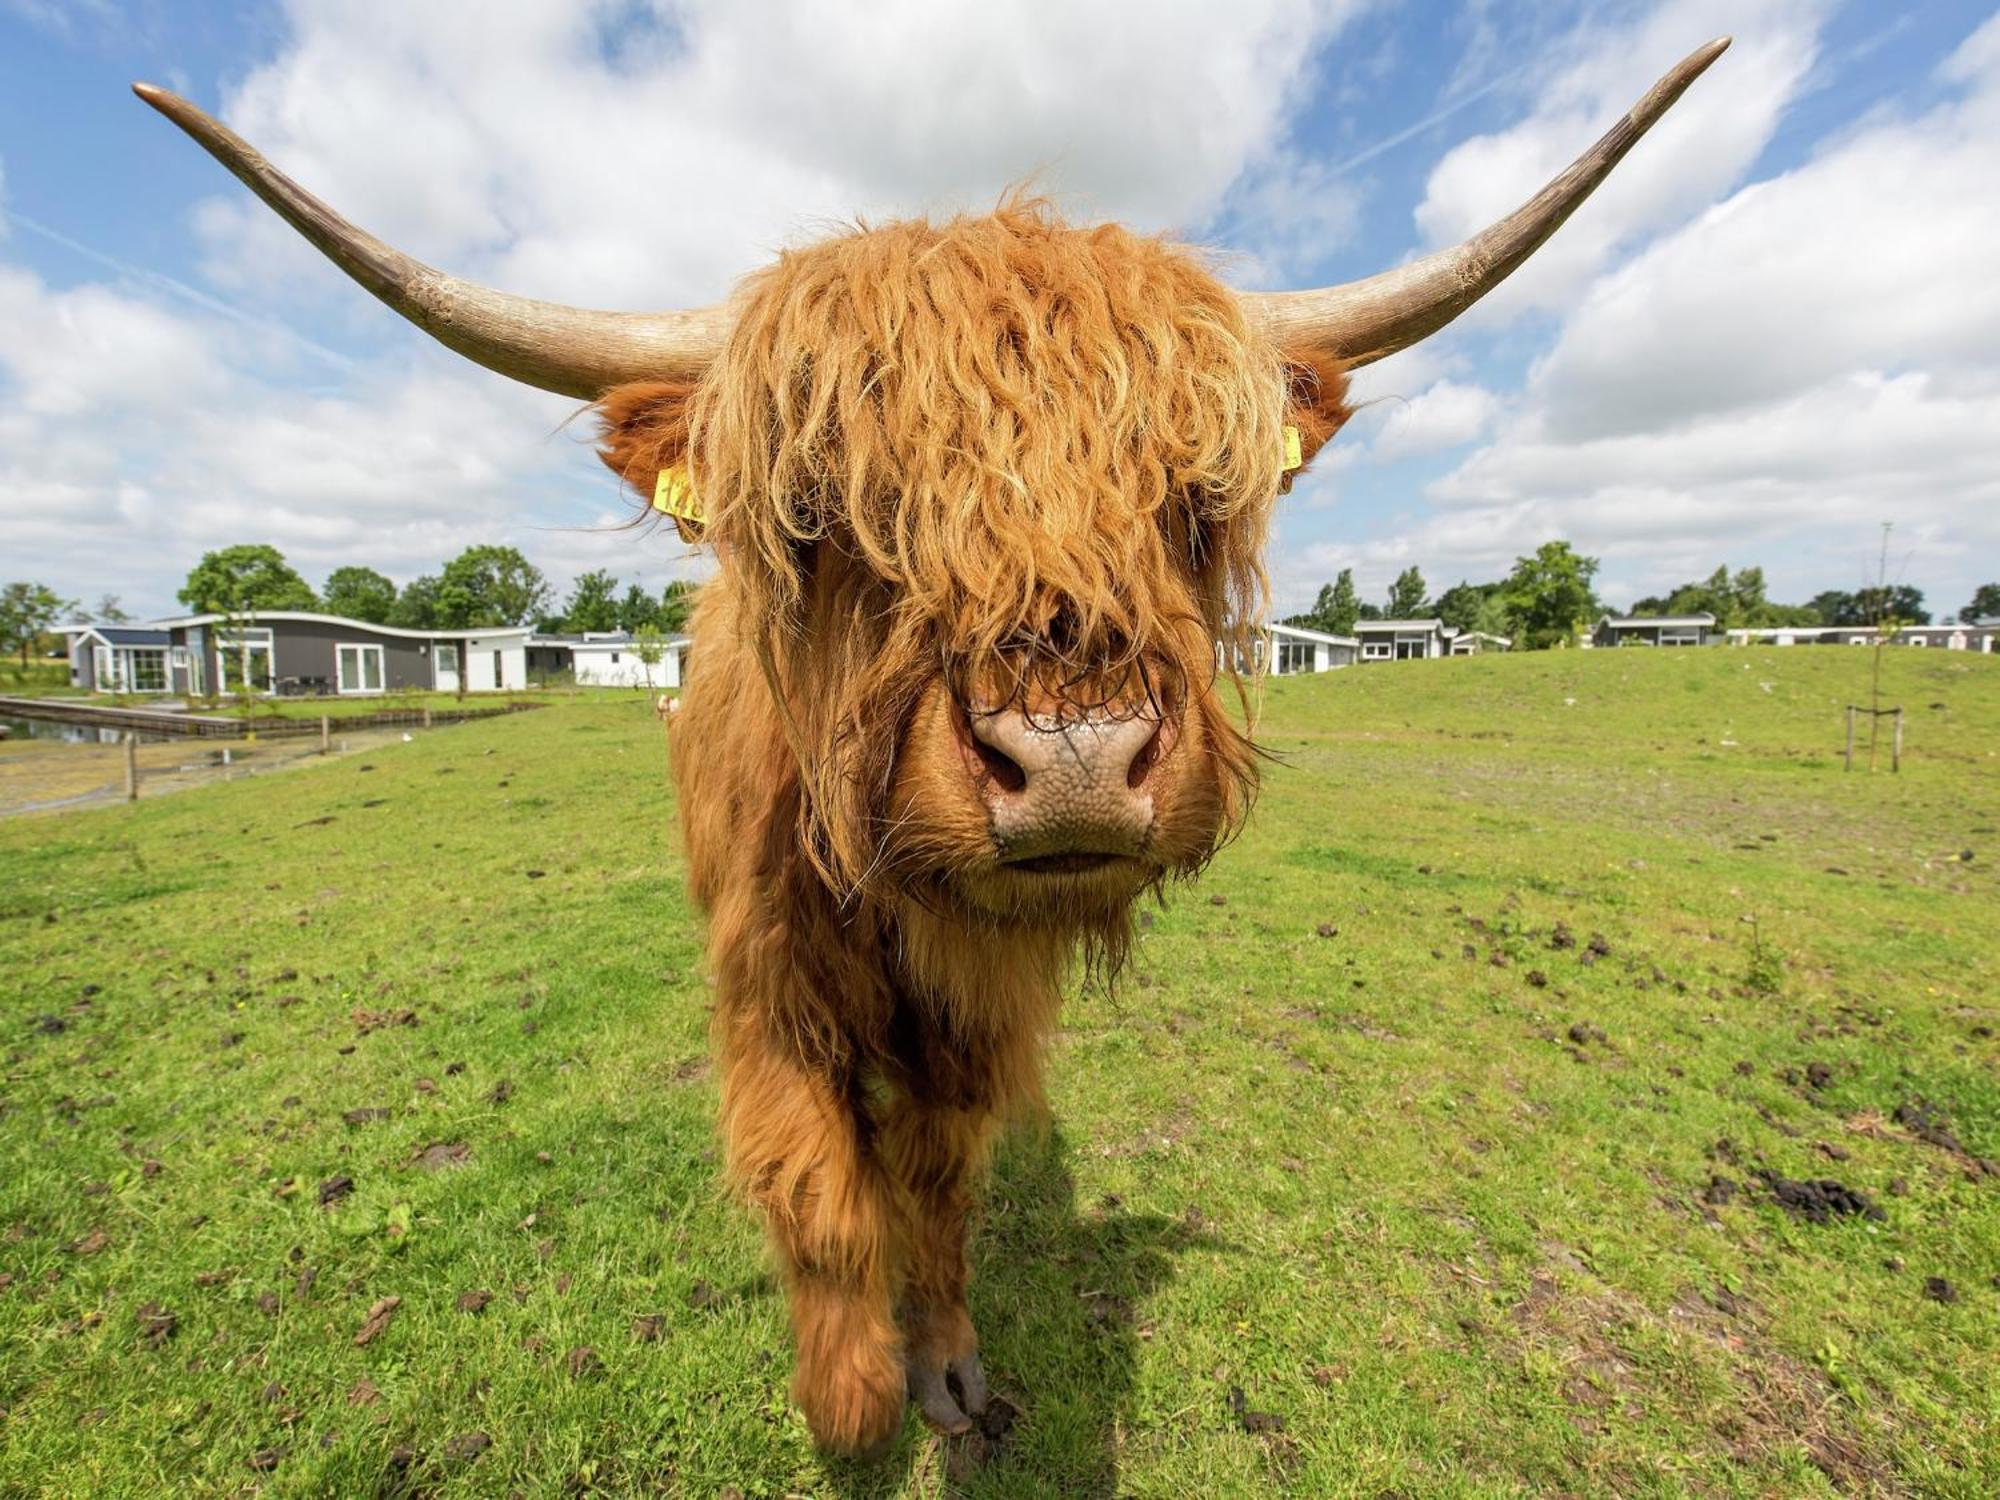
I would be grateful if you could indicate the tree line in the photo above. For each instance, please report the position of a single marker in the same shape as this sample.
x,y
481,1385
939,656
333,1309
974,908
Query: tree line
x,y
1550,597
482,586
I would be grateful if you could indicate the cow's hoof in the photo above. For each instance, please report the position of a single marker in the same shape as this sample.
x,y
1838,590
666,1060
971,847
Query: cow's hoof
x,y
971,1379
947,1391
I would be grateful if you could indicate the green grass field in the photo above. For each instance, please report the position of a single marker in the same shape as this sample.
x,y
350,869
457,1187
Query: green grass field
x,y
1432,1121
39,679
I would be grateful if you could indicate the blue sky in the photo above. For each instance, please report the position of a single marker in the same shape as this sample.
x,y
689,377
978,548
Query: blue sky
x,y
1772,332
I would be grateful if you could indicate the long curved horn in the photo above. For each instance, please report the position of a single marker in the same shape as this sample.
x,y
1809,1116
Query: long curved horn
x,y
1362,321
573,351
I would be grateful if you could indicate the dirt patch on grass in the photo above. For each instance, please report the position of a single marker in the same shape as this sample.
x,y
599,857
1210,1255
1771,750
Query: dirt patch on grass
x,y
1606,1347
1780,1400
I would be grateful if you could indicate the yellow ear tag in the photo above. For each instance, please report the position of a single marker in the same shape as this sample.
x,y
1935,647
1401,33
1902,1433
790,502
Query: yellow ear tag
x,y
1294,456
673,495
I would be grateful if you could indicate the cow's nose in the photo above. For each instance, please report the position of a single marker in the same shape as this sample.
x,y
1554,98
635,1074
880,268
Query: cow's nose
x,y
1075,789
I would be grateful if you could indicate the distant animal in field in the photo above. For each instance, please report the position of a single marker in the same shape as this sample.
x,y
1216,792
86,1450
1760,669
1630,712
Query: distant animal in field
x,y
987,500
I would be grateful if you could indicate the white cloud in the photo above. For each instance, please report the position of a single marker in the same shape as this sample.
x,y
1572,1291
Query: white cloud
x,y
1817,355
1697,151
134,438
564,153
1444,416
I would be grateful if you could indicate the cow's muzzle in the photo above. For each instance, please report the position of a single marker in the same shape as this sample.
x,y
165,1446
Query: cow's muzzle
x,y
1068,795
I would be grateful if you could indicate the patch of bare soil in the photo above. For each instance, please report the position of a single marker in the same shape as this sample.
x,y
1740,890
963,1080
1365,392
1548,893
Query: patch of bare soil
x,y
1780,1400
1779,1403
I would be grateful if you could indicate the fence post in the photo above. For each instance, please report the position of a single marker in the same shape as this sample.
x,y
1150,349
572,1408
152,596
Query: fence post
x,y
427,716
1850,737
1896,752
131,766
325,727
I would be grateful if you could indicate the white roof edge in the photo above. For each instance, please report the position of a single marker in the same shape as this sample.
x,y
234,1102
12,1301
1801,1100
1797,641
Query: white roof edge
x,y
255,617
1432,624
1312,635
1699,619
1842,629
568,645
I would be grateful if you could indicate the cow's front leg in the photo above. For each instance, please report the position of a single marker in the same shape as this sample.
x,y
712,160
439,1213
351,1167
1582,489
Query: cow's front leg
x,y
793,1142
933,1157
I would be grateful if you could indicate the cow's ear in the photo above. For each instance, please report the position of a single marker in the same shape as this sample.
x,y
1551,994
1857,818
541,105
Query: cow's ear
x,y
1317,390
645,430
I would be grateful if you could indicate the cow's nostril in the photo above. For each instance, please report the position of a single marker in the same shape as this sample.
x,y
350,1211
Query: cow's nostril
x,y
1003,768
1148,757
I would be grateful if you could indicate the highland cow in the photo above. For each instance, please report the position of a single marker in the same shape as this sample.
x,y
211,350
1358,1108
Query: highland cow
x,y
987,500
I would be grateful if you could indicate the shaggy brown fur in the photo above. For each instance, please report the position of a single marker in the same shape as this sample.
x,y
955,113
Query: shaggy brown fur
x,y
993,460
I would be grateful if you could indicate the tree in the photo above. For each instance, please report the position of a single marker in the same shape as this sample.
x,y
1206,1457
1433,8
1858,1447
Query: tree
x,y
1714,595
651,648
1895,603
1834,607
416,607
236,580
676,604
1735,599
26,610
1549,594
1493,618
1335,609
1463,603
360,594
1985,604
593,604
489,586
1748,604
638,610
1407,595
109,611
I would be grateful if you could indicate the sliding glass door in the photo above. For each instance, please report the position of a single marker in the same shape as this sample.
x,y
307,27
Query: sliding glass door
x,y
360,669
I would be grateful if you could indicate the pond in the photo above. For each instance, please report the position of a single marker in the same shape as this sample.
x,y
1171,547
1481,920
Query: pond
x,y
74,734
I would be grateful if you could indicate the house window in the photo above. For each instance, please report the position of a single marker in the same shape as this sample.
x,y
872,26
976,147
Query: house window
x,y
614,658
180,658
1680,637
447,658
1294,656
237,648
149,671
1377,651
359,668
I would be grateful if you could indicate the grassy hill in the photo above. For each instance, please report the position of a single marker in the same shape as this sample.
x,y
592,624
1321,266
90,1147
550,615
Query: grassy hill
x,y
1572,1082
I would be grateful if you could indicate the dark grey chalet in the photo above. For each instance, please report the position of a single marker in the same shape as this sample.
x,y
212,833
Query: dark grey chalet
x,y
1655,630
288,653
